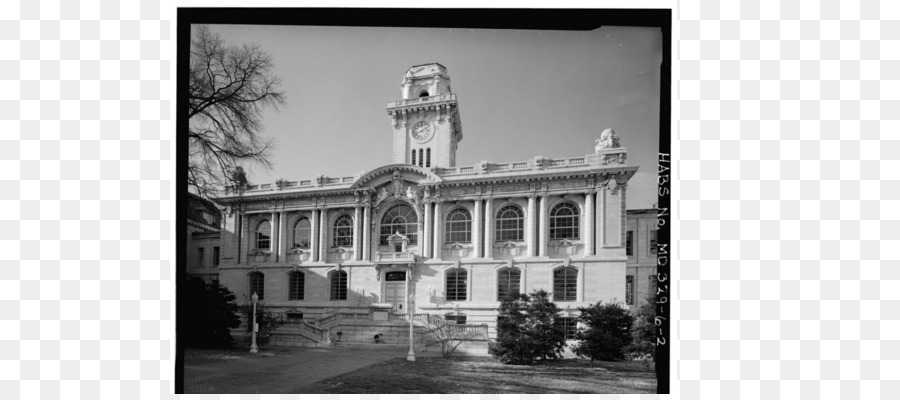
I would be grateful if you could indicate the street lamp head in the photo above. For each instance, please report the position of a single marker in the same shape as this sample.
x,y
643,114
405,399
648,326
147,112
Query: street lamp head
x,y
254,297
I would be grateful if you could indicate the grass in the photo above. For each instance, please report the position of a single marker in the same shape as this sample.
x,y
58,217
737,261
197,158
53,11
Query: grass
x,y
486,375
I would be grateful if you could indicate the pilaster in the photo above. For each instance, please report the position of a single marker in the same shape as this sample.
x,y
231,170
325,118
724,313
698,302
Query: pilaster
x,y
426,241
589,223
476,229
356,240
367,227
438,230
489,228
282,236
542,228
529,227
314,236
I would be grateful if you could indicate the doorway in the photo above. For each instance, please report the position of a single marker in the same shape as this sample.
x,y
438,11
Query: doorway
x,y
395,290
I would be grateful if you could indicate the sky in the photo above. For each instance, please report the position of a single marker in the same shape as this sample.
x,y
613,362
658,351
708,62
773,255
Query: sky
x,y
521,94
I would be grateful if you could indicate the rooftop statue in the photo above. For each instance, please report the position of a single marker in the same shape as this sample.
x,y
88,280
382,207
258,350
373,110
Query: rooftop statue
x,y
608,140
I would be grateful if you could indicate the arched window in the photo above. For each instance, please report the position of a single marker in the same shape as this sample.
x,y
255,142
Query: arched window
x,y
296,281
564,221
510,224
343,231
338,285
424,93
263,238
421,158
257,284
428,157
400,219
413,157
508,282
456,284
301,233
459,226
565,284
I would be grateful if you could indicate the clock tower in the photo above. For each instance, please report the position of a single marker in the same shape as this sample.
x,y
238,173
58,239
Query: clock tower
x,y
425,120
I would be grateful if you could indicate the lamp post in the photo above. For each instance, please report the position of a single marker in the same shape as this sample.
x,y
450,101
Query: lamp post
x,y
253,348
411,356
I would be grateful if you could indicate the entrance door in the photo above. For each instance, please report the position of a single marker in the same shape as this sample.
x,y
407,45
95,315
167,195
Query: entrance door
x,y
395,290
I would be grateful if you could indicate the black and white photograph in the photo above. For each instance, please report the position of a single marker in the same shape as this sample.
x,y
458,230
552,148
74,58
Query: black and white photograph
x,y
421,209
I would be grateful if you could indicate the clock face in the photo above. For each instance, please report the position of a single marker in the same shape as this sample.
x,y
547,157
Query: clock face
x,y
421,131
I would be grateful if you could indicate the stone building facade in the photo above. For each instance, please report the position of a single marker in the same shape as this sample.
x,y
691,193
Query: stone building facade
x,y
204,221
640,247
427,235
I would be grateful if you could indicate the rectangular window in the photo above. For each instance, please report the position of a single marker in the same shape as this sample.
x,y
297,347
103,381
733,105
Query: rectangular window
x,y
456,285
652,286
201,255
569,325
508,283
296,285
628,242
653,241
629,290
216,256
339,285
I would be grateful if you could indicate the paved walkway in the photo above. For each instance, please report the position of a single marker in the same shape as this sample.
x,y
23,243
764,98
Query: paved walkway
x,y
275,369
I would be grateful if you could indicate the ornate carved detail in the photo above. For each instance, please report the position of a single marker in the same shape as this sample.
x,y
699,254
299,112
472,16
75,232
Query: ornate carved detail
x,y
613,186
608,140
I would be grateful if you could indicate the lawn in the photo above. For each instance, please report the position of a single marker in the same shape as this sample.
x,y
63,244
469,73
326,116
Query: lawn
x,y
486,375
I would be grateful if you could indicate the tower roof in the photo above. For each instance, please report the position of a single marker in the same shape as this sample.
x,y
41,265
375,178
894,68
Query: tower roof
x,y
427,69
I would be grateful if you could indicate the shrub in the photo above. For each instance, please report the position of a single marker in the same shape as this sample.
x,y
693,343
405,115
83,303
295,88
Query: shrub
x,y
211,315
643,333
606,333
526,329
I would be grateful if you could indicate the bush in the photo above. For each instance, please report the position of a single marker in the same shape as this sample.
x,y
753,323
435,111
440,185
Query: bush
x,y
211,315
606,334
643,333
526,329
267,320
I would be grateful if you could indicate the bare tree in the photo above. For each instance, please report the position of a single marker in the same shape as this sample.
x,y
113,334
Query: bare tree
x,y
230,86
448,334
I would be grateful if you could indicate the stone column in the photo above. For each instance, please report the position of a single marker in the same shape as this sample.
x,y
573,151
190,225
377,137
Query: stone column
x,y
366,241
356,242
273,236
489,228
421,233
323,236
282,236
601,212
242,225
314,237
622,216
438,230
476,229
589,223
426,241
529,227
543,230
251,235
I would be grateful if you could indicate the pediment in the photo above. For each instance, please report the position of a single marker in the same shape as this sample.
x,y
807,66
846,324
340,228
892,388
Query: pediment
x,y
405,172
